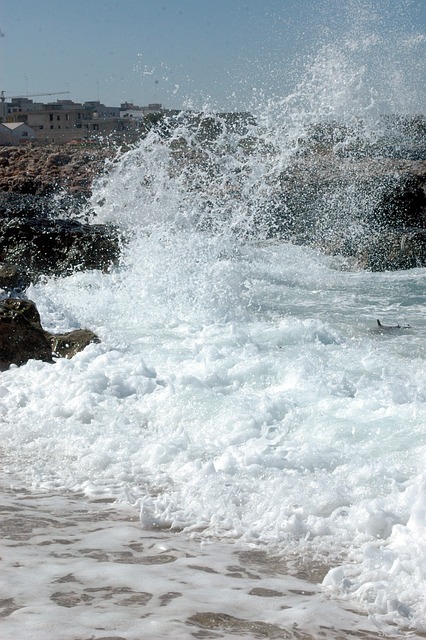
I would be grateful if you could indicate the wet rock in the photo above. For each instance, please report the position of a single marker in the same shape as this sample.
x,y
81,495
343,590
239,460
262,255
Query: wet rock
x,y
372,209
21,335
394,250
327,193
23,338
12,278
42,245
66,345
61,205
341,204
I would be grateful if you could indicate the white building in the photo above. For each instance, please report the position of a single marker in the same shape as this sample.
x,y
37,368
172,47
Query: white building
x,y
15,133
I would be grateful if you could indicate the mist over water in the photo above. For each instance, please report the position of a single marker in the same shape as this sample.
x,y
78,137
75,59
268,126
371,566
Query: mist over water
x,y
241,390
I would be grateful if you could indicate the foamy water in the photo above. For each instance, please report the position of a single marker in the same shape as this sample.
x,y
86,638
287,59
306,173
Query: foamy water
x,y
241,391
77,569
293,422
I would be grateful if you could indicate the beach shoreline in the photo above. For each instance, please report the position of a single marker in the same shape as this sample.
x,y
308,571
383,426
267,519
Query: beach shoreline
x,y
74,569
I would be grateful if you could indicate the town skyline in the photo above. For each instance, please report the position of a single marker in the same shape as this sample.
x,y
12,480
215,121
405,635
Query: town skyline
x,y
23,120
30,100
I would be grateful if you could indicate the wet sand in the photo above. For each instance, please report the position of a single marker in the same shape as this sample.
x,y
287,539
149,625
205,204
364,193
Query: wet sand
x,y
72,569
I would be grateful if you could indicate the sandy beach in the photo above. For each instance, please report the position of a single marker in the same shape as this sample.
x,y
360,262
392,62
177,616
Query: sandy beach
x,y
78,570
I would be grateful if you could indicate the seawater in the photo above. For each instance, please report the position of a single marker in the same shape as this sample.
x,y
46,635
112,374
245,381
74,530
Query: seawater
x,y
241,389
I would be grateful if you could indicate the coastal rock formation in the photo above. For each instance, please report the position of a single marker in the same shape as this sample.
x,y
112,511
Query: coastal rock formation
x,y
372,209
44,231
21,335
41,244
41,170
369,208
23,338
12,278
66,345
393,250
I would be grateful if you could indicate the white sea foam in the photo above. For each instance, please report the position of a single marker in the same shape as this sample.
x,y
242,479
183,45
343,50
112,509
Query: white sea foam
x,y
72,569
290,422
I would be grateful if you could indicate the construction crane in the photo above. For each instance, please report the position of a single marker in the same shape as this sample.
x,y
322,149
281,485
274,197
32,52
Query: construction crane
x,y
3,97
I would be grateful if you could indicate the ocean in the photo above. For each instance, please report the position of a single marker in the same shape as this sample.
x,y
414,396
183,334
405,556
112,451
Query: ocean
x,y
244,421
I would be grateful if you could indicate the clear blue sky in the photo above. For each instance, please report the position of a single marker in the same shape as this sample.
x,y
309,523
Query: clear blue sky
x,y
169,51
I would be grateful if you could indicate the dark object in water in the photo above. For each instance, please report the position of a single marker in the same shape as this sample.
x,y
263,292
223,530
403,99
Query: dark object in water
x,y
23,338
387,327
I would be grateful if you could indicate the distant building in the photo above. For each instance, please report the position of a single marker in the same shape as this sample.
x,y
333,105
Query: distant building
x,y
15,133
129,110
21,105
65,120
101,110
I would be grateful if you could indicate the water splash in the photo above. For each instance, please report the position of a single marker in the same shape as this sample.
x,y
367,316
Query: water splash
x,y
290,167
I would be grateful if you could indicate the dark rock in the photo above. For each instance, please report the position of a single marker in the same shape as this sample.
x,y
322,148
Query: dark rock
x,y
344,203
12,278
21,335
66,345
393,250
403,202
59,159
371,209
327,194
23,338
44,211
55,206
41,245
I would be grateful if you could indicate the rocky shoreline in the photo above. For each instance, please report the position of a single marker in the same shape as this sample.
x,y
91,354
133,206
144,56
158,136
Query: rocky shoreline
x,y
43,197
43,170
371,210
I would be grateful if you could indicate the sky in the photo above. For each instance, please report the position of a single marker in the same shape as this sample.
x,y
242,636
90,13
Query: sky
x,y
183,52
